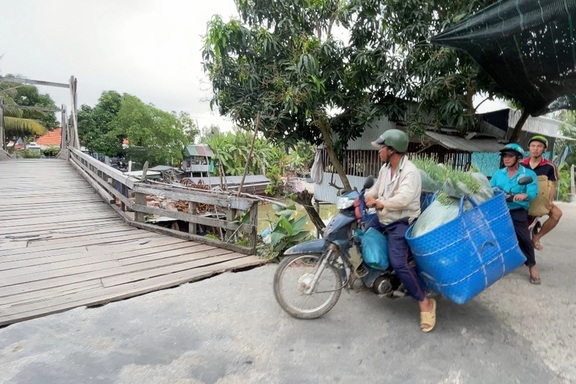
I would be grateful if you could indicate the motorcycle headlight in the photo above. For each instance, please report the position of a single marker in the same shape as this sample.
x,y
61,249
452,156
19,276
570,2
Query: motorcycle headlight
x,y
344,202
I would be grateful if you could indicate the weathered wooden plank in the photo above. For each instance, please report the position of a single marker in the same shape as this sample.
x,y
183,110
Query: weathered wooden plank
x,y
168,269
36,296
40,245
234,202
63,264
56,257
71,227
64,216
210,222
97,249
110,265
193,237
106,295
56,281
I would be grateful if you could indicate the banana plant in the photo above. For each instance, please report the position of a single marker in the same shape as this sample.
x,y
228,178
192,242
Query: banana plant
x,y
287,230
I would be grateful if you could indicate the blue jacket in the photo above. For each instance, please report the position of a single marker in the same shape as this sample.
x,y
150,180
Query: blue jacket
x,y
501,180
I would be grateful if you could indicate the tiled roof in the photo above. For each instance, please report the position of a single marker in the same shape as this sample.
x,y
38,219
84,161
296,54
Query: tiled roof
x,y
51,138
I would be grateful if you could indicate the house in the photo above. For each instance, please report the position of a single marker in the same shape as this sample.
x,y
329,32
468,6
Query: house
x,y
50,139
197,160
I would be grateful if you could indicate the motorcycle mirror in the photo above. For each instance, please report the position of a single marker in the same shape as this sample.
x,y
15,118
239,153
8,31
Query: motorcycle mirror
x,y
369,182
525,180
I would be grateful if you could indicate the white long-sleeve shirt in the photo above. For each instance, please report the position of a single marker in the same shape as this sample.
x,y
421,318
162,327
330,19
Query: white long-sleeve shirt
x,y
399,193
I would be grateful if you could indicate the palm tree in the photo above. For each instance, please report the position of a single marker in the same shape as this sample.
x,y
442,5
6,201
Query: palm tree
x,y
13,123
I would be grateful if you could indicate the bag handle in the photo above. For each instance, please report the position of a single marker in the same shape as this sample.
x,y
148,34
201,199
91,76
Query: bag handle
x,y
470,200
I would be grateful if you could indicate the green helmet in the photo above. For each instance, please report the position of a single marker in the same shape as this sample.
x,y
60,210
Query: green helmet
x,y
512,149
393,138
541,139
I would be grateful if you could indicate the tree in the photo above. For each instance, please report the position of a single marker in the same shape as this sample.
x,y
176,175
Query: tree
x,y
95,127
16,123
189,126
159,134
232,149
29,96
323,70
206,133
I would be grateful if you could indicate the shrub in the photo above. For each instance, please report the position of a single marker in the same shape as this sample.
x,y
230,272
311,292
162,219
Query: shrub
x,y
30,153
51,151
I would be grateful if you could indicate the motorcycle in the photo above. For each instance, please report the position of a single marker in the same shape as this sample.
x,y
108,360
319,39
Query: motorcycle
x,y
310,278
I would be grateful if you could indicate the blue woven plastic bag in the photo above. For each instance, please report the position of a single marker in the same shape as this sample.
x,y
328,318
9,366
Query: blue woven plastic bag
x,y
465,256
375,249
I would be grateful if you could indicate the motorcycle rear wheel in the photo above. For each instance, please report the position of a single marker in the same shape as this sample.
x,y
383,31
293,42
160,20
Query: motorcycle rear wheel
x,y
294,274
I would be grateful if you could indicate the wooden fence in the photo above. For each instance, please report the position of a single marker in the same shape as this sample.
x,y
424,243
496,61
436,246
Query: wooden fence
x,y
234,222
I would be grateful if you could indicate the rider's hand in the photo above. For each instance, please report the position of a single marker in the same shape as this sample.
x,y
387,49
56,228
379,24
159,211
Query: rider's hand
x,y
370,202
521,197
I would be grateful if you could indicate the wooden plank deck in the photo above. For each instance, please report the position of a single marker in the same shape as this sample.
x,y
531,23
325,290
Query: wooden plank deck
x,y
62,247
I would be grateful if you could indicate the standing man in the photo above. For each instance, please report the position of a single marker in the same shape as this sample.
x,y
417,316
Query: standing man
x,y
396,197
507,180
538,145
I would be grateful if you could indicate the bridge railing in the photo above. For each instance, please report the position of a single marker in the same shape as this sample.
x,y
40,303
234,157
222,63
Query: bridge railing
x,y
231,220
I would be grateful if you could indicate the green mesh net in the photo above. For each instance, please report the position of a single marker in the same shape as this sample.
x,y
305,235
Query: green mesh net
x,y
527,46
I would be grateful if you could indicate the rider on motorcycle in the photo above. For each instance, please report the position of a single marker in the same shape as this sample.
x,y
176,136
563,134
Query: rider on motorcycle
x,y
542,167
506,179
396,197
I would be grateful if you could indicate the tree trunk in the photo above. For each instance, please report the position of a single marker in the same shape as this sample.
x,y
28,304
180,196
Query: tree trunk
x,y
335,162
256,126
518,128
471,112
304,198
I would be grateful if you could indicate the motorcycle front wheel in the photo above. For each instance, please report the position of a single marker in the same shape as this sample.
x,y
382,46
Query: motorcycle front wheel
x,y
293,278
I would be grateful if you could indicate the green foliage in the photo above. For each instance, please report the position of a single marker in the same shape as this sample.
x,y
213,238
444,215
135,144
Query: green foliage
x,y
30,153
154,135
159,133
276,185
51,151
188,125
208,133
321,71
20,127
563,183
28,95
95,127
286,231
302,157
231,150
20,122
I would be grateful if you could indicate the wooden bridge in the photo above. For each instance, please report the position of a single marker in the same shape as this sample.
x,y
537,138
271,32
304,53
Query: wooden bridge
x,y
63,246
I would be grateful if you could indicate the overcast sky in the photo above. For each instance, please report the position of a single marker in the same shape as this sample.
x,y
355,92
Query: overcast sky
x,y
148,48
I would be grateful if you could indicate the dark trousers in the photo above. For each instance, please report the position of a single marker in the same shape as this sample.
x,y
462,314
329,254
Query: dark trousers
x,y
398,254
520,221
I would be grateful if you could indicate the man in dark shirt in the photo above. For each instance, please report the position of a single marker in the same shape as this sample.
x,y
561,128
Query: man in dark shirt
x,y
542,167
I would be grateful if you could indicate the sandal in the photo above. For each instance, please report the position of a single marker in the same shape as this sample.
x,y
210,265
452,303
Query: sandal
x,y
535,280
428,319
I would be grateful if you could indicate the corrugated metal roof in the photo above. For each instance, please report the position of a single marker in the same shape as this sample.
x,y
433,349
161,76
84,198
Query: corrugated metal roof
x,y
231,180
162,168
459,144
198,150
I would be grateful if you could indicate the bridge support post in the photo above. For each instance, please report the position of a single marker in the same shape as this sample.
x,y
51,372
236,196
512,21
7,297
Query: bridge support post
x,y
192,227
140,199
